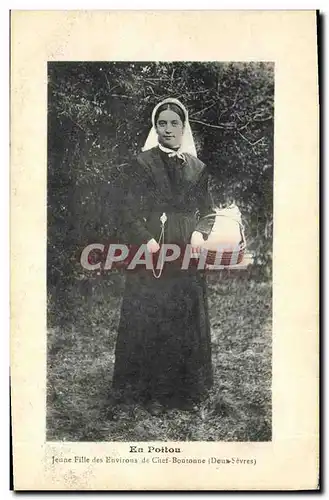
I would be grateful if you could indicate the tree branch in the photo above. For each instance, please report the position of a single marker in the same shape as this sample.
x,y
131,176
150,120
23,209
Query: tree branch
x,y
108,83
115,87
204,109
251,120
122,95
151,80
220,126
235,99
267,118
172,75
245,125
247,140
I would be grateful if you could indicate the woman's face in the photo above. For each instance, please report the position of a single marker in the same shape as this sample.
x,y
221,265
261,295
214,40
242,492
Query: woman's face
x,y
169,128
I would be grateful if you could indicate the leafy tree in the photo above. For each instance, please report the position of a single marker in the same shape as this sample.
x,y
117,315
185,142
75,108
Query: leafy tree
x,y
99,117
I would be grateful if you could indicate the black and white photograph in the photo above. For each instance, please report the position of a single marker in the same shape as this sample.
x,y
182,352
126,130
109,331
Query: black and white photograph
x,y
159,251
164,250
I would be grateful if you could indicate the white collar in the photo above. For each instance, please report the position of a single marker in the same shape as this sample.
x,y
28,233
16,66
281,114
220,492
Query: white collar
x,y
172,153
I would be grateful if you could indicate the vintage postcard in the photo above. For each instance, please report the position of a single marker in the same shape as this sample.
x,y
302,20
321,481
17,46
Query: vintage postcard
x,y
164,250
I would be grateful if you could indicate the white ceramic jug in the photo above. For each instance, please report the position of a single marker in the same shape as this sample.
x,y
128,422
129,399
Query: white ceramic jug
x,y
226,242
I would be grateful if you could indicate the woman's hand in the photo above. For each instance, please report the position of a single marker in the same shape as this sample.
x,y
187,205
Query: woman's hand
x,y
196,243
153,246
197,240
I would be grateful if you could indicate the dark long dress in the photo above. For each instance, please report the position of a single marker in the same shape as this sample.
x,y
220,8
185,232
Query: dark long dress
x,y
163,349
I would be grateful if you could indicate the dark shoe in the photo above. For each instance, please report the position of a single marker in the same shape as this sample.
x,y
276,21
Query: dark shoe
x,y
155,408
184,404
188,406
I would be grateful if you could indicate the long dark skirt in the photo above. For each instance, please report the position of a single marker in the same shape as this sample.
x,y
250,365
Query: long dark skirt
x,y
163,349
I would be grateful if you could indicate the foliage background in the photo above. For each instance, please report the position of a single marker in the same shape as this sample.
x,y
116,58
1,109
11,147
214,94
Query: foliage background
x,y
98,120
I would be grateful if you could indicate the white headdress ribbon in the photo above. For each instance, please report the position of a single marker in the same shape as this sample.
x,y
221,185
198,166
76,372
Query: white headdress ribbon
x,y
172,153
187,145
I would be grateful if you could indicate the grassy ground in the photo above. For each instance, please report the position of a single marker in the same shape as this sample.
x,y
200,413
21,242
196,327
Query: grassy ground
x,y
81,358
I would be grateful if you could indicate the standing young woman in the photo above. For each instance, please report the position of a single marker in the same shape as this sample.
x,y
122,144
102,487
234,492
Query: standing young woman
x,y
163,350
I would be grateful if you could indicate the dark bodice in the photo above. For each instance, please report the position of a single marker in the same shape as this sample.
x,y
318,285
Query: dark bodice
x,y
158,183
